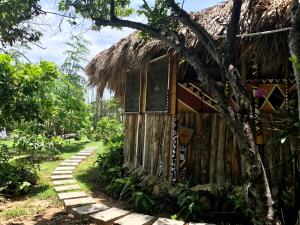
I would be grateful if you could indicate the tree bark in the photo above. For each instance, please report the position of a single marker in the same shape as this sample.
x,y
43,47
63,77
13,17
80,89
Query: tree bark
x,y
294,44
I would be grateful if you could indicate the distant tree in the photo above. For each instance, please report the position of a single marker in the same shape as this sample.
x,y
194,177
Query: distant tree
x,y
22,89
16,25
42,94
76,53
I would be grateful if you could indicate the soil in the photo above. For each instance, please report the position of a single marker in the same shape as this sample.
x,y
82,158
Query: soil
x,y
43,212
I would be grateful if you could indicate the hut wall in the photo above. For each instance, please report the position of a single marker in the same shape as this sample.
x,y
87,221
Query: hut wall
x,y
148,143
213,154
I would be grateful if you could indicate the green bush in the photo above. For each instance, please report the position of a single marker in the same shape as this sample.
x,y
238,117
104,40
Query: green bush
x,y
193,204
110,161
109,130
129,188
16,175
36,144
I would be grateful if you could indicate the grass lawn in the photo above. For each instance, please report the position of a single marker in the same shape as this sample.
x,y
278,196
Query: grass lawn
x,y
44,196
86,173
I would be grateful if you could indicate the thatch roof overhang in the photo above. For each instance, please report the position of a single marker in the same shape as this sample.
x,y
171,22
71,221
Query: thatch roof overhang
x,y
109,68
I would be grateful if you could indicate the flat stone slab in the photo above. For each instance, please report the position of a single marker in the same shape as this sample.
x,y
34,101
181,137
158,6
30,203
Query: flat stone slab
x,y
108,216
70,195
61,177
84,154
89,209
136,219
69,164
61,182
164,221
201,224
78,157
67,188
65,168
79,201
60,172
73,160
90,149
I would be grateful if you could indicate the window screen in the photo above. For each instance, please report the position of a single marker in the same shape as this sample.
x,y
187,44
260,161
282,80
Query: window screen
x,y
132,93
157,85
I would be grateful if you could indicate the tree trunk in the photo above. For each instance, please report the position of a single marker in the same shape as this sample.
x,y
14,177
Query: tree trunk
x,y
294,44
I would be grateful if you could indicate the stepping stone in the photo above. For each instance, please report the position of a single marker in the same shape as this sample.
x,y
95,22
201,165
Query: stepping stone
x,y
90,149
136,219
61,177
201,224
68,195
164,221
69,164
60,172
79,201
67,188
70,168
73,160
78,157
108,216
61,182
89,209
83,154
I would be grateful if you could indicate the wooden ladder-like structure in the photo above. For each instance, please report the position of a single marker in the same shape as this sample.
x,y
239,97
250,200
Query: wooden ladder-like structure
x,y
192,96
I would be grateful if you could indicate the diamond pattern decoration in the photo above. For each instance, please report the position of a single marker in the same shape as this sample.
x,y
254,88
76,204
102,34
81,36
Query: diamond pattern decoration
x,y
276,98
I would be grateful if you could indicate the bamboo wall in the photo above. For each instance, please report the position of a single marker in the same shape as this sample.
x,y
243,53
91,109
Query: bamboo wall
x,y
148,143
212,156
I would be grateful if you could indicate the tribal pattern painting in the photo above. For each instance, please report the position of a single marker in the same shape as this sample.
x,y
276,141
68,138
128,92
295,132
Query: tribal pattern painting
x,y
174,150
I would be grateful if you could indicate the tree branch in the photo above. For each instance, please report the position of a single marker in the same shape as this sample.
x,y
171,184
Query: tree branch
x,y
204,37
112,10
206,81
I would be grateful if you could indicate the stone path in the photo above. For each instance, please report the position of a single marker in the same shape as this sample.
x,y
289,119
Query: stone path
x,y
85,206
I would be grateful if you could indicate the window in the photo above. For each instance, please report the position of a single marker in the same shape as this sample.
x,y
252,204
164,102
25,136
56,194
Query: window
x,y
157,85
132,92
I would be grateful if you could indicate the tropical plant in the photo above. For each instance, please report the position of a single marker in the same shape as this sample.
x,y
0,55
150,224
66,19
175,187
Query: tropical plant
x,y
17,176
36,144
109,130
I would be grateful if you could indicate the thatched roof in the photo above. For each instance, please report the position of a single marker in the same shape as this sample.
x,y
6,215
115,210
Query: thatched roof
x,y
109,68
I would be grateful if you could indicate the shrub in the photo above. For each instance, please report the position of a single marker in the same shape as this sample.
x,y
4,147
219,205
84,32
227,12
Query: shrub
x,y
36,144
109,130
129,188
193,204
16,175
110,161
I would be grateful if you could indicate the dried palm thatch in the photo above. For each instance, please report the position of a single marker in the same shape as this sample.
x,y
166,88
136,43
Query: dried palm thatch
x,y
109,68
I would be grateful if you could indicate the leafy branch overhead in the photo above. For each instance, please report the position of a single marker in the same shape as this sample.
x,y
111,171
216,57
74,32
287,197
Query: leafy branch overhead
x,y
16,18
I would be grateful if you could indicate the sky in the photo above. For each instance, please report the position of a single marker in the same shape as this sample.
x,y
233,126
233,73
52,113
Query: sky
x,y
51,46
53,39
